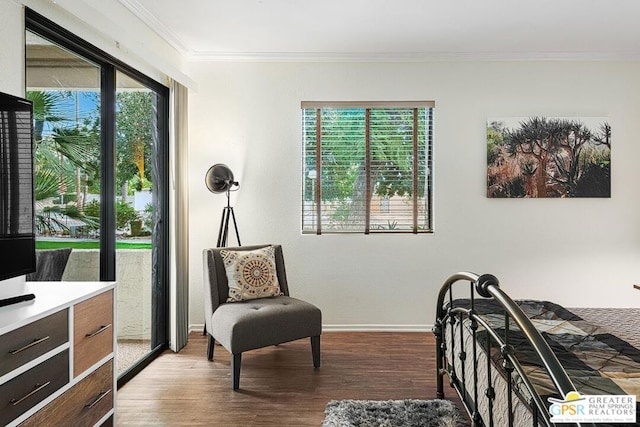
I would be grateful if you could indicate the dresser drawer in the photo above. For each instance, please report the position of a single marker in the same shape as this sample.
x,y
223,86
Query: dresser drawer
x,y
93,331
28,389
24,344
82,405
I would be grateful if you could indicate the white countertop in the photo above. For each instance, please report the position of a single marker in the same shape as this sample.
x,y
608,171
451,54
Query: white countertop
x,y
50,297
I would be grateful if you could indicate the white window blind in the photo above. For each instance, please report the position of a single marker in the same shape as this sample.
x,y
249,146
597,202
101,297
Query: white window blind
x,y
367,167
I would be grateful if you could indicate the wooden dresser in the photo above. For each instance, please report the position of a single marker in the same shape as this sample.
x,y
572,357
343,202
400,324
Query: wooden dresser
x,y
57,363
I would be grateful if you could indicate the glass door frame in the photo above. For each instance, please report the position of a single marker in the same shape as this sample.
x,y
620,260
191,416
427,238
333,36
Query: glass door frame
x,y
108,64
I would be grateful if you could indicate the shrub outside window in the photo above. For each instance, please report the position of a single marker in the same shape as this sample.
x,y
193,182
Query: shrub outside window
x,y
367,167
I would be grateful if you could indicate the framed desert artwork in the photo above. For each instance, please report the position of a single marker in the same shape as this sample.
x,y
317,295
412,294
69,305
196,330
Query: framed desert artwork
x,y
548,157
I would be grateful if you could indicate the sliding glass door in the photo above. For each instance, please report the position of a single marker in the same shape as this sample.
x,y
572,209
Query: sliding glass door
x,y
139,215
101,186
65,90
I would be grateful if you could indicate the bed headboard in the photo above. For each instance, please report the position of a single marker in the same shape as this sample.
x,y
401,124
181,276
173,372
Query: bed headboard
x,y
487,286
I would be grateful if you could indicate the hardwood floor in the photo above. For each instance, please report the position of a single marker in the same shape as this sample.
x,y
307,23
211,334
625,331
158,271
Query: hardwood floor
x,y
278,385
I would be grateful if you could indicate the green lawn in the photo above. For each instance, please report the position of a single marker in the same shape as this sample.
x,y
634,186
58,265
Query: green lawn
x,y
84,244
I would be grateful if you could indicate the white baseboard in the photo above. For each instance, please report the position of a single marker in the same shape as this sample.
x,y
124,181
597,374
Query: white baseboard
x,y
354,328
376,328
198,327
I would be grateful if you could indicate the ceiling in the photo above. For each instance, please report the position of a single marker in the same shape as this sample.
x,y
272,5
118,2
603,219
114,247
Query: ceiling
x,y
396,30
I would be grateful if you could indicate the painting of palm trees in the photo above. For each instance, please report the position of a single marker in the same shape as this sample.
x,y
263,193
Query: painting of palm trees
x,y
548,157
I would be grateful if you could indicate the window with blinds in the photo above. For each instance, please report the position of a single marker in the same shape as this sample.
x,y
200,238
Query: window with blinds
x,y
367,167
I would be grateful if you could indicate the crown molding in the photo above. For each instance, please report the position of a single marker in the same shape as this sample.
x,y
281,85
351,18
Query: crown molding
x,y
410,56
151,21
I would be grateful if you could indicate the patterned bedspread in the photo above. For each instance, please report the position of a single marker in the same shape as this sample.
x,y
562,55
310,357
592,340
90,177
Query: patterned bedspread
x,y
596,361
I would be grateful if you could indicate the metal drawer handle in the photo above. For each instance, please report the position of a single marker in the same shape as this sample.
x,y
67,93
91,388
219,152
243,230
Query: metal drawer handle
x,y
36,388
101,396
35,341
102,329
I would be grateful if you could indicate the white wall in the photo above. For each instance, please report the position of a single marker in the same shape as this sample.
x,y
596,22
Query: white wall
x,y
11,48
578,252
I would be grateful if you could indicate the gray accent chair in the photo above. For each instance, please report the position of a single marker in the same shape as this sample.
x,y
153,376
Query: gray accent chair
x,y
256,323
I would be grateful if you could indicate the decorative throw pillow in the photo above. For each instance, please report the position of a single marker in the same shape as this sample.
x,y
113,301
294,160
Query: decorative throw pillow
x,y
251,274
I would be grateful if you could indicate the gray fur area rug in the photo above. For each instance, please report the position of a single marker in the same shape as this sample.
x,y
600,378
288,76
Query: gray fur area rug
x,y
392,413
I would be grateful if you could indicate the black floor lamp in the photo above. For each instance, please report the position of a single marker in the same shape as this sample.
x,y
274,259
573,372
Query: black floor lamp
x,y
219,179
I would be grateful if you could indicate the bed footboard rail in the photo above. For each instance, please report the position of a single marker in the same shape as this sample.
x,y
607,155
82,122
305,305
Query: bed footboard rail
x,y
487,286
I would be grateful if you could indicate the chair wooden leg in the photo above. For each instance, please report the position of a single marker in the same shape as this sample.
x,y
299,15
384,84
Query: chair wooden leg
x,y
210,346
235,370
315,350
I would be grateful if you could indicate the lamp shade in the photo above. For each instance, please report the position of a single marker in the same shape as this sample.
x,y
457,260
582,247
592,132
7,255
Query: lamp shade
x,y
219,178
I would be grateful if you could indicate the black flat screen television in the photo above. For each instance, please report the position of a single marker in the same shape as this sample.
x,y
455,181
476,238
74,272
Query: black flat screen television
x,y
17,233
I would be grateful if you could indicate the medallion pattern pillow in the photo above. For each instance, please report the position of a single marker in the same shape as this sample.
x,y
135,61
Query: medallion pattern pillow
x,y
251,274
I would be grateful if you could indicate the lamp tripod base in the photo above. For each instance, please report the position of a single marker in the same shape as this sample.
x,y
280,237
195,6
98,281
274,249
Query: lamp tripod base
x,y
223,233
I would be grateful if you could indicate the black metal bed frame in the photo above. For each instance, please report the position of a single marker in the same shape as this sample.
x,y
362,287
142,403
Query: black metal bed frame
x,y
487,286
